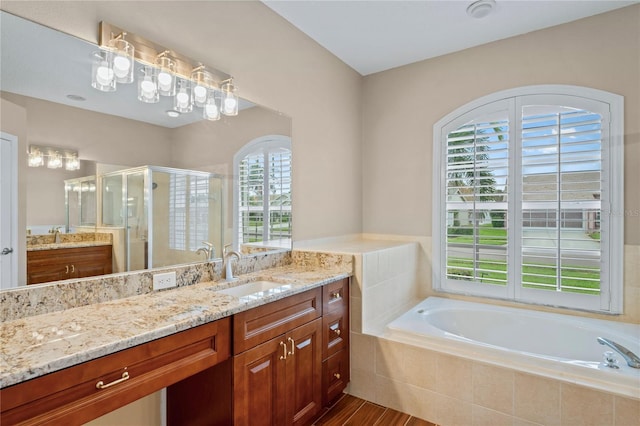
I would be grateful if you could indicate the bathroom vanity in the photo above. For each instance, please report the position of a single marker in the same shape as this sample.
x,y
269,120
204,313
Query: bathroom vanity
x,y
69,260
220,356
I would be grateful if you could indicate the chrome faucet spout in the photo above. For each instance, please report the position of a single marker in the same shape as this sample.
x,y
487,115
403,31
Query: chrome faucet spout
x,y
631,358
227,258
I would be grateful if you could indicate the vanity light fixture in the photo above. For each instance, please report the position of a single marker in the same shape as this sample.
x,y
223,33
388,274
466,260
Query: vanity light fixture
x,y
161,72
53,158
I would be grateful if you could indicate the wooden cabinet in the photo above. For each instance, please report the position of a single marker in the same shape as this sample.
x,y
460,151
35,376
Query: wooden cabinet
x,y
65,263
277,369
86,391
335,332
279,382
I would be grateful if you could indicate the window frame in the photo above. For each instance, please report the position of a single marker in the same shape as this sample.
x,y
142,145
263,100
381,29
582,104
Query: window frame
x,y
263,144
610,299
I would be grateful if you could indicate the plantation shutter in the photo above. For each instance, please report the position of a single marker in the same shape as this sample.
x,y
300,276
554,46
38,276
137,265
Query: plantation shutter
x,y
561,164
198,211
476,185
531,198
251,211
264,211
280,194
177,212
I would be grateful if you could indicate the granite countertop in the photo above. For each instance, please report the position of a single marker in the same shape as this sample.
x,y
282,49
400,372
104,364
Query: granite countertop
x,y
37,345
67,245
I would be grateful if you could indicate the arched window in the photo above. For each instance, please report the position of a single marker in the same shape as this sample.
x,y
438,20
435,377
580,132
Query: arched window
x,y
262,193
528,187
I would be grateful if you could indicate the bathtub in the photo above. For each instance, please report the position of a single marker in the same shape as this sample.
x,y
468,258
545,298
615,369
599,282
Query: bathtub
x,y
559,346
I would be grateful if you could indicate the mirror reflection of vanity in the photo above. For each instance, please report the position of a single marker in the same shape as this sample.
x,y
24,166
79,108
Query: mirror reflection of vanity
x,y
154,186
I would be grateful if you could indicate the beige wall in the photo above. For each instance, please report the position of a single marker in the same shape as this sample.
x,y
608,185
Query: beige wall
x,y
401,106
273,65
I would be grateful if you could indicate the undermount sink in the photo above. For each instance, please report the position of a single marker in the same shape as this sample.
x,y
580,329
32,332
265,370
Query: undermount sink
x,y
256,289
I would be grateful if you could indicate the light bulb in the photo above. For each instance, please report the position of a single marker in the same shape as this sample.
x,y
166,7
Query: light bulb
x,y
230,104
200,94
121,66
182,99
104,74
148,88
164,81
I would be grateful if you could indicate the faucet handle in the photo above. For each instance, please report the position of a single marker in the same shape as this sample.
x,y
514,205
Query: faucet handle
x,y
208,244
225,250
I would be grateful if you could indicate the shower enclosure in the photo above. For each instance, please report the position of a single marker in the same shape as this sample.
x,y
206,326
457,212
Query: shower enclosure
x,y
160,216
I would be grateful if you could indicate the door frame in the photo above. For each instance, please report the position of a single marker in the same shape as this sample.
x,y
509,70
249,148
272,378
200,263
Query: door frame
x,y
9,217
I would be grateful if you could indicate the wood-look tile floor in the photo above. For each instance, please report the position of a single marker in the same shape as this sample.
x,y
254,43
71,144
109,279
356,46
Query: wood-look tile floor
x,y
350,410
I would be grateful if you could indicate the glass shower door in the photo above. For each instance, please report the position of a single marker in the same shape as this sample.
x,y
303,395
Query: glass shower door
x,y
137,221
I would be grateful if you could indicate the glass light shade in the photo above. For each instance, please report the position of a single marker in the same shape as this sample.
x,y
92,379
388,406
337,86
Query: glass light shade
x,y
123,60
55,160
102,75
148,85
211,110
182,100
35,158
72,163
202,83
166,76
229,99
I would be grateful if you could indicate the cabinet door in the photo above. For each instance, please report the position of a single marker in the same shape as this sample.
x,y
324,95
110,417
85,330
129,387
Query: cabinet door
x,y
259,378
43,274
304,373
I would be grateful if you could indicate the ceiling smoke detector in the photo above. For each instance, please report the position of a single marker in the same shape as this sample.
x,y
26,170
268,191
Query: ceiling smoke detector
x,y
480,8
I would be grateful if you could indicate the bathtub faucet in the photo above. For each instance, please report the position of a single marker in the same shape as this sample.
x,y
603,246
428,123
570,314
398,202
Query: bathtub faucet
x,y
631,358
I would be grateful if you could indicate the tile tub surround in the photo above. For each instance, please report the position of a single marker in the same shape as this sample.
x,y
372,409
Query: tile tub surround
x,y
34,346
451,390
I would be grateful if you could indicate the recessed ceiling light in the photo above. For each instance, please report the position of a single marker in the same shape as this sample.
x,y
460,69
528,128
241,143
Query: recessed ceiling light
x,y
77,98
480,8
173,114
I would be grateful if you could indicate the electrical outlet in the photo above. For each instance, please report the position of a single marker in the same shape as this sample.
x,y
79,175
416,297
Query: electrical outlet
x,y
165,280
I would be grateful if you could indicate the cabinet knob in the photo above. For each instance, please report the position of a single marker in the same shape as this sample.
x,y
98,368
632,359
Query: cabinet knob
x,y
336,295
336,375
337,331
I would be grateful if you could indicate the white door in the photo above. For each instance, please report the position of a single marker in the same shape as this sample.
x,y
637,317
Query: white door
x,y
8,210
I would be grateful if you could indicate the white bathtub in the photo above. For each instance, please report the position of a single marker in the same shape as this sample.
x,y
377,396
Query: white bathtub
x,y
559,346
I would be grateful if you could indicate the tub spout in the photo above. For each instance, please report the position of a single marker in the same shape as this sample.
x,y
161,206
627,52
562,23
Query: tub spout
x,y
631,358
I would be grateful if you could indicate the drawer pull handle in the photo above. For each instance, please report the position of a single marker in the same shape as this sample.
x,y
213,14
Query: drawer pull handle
x,y
284,350
337,331
293,344
336,375
101,385
336,295
66,269
73,269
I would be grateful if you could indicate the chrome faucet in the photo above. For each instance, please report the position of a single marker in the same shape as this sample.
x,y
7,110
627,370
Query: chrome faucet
x,y
209,250
56,234
229,267
631,358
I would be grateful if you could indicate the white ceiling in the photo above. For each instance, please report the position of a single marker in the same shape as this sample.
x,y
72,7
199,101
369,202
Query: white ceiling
x,y
376,35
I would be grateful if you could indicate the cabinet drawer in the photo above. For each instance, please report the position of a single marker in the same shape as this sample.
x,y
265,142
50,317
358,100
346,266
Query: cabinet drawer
x,y
335,333
335,296
73,396
335,371
257,325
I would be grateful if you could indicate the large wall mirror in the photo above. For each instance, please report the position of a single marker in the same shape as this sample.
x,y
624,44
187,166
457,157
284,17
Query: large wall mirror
x,y
160,186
